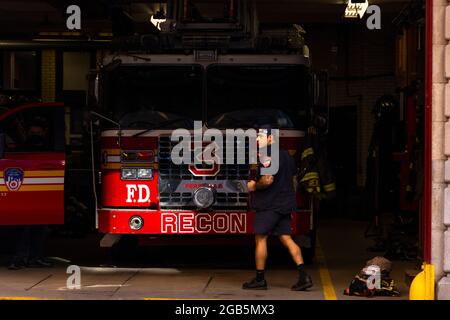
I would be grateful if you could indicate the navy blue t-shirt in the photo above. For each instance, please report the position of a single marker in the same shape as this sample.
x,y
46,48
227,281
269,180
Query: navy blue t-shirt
x,y
280,195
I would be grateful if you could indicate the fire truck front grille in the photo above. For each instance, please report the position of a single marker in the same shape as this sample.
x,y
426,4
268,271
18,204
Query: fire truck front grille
x,y
184,199
230,174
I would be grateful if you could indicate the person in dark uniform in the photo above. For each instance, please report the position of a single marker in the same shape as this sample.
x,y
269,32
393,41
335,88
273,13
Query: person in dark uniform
x,y
273,201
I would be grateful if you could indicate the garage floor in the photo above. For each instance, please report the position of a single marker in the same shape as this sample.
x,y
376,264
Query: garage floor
x,y
183,273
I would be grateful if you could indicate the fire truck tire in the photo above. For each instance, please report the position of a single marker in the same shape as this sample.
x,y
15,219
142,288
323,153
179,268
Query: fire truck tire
x,y
125,250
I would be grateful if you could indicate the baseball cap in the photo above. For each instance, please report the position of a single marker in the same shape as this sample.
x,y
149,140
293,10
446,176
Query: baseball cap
x,y
265,128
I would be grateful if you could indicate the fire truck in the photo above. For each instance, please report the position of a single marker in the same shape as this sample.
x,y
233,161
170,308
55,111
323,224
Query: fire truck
x,y
222,69
32,164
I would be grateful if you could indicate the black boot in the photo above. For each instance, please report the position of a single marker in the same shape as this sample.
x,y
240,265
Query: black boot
x,y
255,284
304,282
17,264
39,263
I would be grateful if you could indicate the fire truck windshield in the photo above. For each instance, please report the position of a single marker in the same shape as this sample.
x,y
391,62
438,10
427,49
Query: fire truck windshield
x,y
245,96
208,11
152,97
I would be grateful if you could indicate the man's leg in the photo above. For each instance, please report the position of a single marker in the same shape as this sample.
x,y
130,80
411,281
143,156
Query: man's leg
x,y
22,250
260,251
259,282
38,238
293,248
304,280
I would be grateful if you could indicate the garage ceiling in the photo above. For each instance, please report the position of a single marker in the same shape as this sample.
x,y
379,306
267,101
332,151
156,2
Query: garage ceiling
x,y
20,17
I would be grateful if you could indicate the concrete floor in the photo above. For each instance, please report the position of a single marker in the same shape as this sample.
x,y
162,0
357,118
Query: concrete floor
x,y
203,272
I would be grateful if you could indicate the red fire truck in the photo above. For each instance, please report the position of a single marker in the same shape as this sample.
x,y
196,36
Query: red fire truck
x,y
32,164
224,72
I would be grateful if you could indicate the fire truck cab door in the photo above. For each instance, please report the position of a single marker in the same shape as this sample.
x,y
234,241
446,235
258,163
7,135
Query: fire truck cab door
x,y
32,162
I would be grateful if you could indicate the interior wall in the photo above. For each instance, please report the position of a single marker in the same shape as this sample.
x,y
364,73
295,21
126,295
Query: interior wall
x,y
361,66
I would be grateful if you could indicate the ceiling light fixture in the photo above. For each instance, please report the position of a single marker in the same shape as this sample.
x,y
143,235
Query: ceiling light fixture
x,y
159,17
356,8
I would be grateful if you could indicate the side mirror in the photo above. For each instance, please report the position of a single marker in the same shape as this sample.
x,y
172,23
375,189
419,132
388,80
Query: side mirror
x,y
321,105
93,91
2,145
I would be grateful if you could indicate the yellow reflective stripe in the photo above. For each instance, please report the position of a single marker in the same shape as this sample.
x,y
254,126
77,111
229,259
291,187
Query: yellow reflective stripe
x,y
312,130
47,187
41,173
309,176
329,187
311,190
111,152
116,152
307,152
45,173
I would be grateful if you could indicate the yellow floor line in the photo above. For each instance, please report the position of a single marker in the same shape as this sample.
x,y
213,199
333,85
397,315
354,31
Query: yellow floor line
x,y
159,299
20,298
325,277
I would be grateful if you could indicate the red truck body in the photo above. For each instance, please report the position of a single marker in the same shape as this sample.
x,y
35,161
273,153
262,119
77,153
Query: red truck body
x,y
31,181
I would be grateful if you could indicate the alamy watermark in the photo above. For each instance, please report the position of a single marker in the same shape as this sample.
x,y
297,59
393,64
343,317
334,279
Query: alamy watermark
x,y
358,9
73,21
74,278
207,147
374,280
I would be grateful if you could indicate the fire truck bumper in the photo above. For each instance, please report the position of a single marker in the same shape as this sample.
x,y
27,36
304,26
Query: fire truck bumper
x,y
128,221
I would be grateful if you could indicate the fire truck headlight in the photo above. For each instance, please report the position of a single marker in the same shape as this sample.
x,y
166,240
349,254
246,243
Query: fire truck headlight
x,y
204,197
128,173
144,173
136,223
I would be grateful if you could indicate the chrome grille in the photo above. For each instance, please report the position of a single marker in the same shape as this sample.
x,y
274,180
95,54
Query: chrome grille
x,y
171,175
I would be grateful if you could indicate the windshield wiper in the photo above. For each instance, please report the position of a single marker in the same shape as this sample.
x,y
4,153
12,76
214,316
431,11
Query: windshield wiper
x,y
238,122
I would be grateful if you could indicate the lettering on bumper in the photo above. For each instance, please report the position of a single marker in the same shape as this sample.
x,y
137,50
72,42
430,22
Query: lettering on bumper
x,y
203,223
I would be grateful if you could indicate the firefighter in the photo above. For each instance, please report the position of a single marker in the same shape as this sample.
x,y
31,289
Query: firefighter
x,y
31,238
315,176
273,201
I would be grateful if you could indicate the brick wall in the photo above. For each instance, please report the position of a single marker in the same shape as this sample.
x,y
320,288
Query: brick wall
x,y
440,234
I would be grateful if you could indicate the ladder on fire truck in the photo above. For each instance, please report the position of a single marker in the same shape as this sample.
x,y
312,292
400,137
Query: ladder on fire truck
x,y
185,28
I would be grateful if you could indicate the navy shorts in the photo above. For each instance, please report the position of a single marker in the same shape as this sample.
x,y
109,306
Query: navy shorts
x,y
273,222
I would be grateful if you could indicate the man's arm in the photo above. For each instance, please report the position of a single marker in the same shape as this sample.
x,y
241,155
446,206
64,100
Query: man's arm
x,y
263,183
251,185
